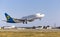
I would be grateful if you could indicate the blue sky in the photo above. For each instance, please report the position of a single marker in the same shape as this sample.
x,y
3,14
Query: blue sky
x,y
20,8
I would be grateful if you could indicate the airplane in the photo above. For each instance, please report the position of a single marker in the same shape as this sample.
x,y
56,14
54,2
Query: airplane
x,y
25,19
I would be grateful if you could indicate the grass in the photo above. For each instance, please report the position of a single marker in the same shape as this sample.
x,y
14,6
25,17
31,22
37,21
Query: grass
x,y
28,34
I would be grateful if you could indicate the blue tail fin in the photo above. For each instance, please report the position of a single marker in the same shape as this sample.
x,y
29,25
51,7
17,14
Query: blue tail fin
x,y
9,19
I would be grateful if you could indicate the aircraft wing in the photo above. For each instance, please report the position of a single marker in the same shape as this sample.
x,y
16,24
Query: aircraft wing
x,y
21,20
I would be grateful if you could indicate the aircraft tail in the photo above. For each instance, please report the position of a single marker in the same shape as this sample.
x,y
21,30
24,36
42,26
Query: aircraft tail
x,y
9,19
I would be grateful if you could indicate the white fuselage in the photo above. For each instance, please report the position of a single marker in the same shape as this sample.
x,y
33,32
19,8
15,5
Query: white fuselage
x,y
36,16
30,17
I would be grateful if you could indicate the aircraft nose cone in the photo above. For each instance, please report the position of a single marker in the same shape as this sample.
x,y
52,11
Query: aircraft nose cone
x,y
42,15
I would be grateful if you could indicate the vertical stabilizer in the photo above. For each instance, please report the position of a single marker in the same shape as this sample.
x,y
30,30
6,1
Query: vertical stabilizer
x,y
9,19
